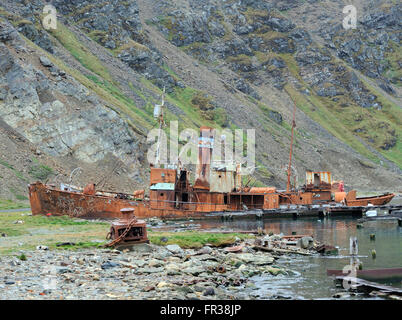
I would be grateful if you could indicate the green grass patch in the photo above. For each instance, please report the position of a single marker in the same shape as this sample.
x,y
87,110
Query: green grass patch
x,y
195,239
393,57
79,245
252,14
264,172
184,99
79,51
107,91
317,110
22,257
40,172
51,231
9,16
97,35
16,172
21,197
240,59
389,119
195,49
130,44
220,117
11,205
252,181
291,64
48,231
171,26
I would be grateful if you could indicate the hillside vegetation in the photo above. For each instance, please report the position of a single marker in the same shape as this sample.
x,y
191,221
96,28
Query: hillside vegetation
x,y
82,95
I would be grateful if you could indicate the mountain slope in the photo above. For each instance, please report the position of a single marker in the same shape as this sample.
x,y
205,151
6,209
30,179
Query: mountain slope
x,y
85,91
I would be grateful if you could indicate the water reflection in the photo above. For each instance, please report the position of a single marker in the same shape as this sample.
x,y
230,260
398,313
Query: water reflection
x,y
311,280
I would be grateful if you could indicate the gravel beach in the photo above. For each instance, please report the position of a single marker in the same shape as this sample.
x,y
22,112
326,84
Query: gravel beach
x,y
146,272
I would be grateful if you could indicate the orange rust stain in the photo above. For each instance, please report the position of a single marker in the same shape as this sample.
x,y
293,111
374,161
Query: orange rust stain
x,y
160,175
263,190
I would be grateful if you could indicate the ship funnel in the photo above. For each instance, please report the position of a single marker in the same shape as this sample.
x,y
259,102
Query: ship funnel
x,y
205,146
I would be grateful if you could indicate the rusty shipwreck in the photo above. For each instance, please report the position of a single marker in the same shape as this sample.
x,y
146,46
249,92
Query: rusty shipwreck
x,y
171,195
217,188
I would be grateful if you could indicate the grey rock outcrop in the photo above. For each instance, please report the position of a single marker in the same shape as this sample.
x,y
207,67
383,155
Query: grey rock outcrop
x,y
61,117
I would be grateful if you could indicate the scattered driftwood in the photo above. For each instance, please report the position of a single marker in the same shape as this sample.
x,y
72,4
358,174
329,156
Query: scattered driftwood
x,y
278,250
233,231
297,236
234,249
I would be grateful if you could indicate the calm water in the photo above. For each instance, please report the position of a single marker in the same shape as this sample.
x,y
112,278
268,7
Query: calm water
x,y
310,280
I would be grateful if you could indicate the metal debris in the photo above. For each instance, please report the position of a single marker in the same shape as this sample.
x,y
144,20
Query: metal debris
x,y
128,230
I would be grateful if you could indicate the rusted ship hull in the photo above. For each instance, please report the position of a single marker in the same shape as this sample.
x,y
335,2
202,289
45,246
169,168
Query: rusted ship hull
x,y
45,200
166,204
376,201
56,202
217,188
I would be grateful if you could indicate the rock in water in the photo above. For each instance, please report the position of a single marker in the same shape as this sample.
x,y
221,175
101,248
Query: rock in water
x,y
275,271
305,242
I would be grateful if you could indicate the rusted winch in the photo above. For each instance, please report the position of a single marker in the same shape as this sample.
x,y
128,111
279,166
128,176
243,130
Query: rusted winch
x,y
128,230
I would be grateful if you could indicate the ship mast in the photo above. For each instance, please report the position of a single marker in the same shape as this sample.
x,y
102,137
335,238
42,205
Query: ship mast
x,y
291,149
158,113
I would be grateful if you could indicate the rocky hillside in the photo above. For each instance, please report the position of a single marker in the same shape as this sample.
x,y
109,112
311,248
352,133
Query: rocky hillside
x,y
82,95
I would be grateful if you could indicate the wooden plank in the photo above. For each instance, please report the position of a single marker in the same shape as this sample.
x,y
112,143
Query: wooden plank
x,y
278,250
369,286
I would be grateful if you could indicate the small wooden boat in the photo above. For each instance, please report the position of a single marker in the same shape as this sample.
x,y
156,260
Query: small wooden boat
x,y
372,274
352,201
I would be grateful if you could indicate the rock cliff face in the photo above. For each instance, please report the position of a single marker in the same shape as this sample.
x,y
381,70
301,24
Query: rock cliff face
x,y
83,94
32,93
56,113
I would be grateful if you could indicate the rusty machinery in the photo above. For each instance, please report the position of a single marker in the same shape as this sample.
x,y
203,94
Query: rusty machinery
x,y
127,230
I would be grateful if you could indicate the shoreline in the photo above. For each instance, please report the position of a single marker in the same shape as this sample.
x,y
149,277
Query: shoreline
x,y
147,272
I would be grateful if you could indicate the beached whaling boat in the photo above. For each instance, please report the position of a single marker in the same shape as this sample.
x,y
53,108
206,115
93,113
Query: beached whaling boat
x,y
352,201
217,188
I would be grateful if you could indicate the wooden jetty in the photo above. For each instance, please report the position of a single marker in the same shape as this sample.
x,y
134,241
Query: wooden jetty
x,y
372,274
388,217
365,286
317,210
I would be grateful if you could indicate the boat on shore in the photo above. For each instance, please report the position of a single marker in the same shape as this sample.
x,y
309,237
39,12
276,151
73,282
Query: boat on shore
x,y
374,200
171,196
217,188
